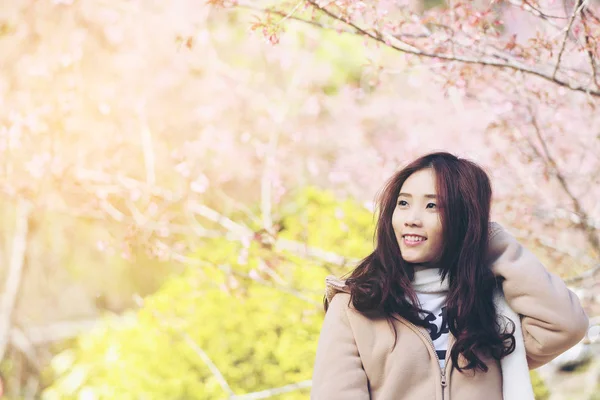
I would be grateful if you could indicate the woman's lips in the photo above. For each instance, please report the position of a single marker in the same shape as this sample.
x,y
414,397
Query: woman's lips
x,y
413,243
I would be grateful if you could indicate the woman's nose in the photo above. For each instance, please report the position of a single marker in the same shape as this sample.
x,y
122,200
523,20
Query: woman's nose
x,y
413,220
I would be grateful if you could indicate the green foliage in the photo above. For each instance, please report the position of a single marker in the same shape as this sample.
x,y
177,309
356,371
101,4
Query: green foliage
x,y
345,55
258,338
326,222
239,304
427,4
339,58
540,390
596,395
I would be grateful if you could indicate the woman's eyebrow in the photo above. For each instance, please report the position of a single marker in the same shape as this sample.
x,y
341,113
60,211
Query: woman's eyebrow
x,y
427,196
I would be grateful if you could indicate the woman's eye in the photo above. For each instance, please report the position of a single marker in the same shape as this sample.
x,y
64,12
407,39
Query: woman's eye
x,y
431,204
402,203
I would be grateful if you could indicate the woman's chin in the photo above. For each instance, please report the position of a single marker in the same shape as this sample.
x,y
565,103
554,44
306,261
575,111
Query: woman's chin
x,y
416,260
413,260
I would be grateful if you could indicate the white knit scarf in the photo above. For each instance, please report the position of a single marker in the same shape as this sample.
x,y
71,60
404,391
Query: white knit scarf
x,y
516,384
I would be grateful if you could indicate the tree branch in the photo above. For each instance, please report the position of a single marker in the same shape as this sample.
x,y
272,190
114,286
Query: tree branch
x,y
401,46
315,24
237,230
266,184
591,14
213,368
227,223
291,13
111,210
193,261
265,394
590,273
195,348
589,44
576,255
313,252
282,244
553,166
20,341
576,10
15,272
536,11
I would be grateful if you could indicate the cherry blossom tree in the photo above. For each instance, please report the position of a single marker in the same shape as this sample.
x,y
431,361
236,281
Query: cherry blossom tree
x,y
134,133
527,69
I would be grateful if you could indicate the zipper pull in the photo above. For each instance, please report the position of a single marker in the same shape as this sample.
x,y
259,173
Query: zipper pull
x,y
444,384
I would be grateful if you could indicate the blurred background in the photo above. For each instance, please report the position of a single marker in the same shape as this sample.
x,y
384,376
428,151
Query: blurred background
x,y
179,177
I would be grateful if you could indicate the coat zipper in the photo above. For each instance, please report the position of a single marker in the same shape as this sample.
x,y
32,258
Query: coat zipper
x,y
443,380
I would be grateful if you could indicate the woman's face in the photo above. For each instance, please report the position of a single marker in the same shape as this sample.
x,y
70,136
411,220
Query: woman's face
x,y
416,220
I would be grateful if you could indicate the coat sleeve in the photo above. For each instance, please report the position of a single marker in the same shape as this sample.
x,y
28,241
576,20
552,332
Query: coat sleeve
x,y
338,372
551,315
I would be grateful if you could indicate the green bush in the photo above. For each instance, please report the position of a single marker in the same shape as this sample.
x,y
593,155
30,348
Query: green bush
x,y
539,387
253,310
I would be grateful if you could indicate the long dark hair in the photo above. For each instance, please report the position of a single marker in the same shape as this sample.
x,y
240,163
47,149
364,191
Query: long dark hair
x,y
382,281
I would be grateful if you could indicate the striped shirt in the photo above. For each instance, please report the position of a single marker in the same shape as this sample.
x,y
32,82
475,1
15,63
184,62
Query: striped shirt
x,y
437,323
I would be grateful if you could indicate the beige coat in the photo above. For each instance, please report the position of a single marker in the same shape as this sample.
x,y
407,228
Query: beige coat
x,y
354,361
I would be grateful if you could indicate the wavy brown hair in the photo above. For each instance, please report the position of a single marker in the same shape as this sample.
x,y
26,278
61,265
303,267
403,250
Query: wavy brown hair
x,y
382,282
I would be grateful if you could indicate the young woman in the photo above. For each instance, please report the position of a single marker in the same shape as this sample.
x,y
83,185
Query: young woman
x,y
448,305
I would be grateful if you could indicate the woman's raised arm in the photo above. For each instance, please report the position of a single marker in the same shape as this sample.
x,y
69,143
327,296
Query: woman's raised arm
x,y
551,315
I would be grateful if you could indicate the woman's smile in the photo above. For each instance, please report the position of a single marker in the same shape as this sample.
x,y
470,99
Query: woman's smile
x,y
413,241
